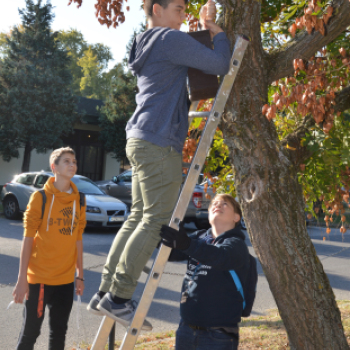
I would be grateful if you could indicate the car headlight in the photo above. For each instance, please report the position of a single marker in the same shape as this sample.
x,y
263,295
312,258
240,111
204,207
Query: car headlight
x,y
93,210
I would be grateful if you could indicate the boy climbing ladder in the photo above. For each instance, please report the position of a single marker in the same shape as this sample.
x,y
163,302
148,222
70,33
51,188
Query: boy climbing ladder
x,y
156,132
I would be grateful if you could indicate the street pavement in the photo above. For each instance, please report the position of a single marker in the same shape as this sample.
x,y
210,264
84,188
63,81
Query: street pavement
x,y
334,253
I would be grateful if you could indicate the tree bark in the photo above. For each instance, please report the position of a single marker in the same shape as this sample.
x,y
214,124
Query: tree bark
x,y
272,199
26,157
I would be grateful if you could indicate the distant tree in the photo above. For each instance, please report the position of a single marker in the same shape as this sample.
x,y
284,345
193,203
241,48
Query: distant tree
x,y
73,41
36,102
90,81
89,64
116,112
120,104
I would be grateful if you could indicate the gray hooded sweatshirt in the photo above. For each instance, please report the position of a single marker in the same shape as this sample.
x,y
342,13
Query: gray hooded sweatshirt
x,y
160,58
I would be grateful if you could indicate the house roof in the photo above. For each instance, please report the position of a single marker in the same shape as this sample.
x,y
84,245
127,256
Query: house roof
x,y
87,108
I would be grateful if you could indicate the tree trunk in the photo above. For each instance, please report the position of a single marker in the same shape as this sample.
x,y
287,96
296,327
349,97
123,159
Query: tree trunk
x,y
26,157
272,199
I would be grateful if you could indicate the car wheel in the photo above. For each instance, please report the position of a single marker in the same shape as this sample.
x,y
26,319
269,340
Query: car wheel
x,y
11,208
202,224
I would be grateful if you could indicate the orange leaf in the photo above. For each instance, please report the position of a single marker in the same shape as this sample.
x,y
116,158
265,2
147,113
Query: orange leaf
x,y
264,109
342,51
292,29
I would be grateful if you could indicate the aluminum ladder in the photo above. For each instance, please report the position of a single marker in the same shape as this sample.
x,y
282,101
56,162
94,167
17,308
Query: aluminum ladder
x,y
213,119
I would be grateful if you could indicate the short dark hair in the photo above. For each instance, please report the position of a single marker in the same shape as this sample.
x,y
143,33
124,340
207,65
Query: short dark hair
x,y
148,5
231,200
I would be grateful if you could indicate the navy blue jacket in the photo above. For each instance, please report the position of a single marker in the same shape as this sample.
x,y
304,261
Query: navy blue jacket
x,y
160,58
209,297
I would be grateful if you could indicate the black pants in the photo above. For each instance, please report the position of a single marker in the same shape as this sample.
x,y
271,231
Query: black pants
x,y
59,300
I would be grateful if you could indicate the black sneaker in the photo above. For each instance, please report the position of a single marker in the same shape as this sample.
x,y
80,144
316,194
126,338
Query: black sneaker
x,y
121,313
92,306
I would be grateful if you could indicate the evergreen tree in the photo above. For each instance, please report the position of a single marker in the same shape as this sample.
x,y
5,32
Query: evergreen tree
x,y
36,103
118,109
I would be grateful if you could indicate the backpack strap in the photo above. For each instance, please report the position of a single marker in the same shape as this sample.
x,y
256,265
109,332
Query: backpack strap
x,y
43,194
238,285
81,199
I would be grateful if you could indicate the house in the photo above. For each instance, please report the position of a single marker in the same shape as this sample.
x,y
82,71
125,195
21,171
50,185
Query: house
x,y
93,161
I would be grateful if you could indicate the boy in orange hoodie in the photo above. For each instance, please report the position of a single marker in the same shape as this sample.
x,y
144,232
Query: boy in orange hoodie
x,y
52,250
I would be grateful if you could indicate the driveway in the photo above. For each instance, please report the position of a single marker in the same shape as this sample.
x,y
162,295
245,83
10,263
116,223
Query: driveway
x,y
164,312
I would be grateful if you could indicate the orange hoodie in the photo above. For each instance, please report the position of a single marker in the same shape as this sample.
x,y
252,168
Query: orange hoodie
x,y
54,252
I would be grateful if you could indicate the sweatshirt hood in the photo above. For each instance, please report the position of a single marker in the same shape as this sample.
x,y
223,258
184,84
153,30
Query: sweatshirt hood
x,y
142,47
62,197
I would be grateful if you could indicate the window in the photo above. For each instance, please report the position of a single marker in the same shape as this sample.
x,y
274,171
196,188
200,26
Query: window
x,y
26,179
40,181
86,186
126,177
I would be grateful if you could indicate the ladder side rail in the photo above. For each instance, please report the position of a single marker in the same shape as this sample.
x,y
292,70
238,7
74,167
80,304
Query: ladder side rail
x,y
103,332
203,147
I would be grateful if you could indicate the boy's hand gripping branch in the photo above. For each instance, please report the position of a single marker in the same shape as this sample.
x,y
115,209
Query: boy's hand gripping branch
x,y
175,239
208,12
207,18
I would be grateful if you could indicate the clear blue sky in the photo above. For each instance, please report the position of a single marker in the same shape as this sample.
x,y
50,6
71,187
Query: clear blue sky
x,y
84,20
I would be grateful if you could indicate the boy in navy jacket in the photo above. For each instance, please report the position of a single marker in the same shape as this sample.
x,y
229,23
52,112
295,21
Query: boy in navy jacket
x,y
211,306
160,58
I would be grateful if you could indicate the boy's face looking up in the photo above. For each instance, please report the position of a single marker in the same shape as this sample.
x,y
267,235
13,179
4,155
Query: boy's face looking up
x,y
172,16
222,212
66,167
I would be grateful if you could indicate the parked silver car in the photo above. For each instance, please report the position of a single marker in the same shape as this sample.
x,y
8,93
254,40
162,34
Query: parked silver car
x,y
197,211
101,210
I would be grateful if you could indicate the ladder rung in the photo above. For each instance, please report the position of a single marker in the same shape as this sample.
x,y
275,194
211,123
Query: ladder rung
x,y
198,114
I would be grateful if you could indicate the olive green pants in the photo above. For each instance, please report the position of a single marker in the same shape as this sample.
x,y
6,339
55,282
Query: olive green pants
x,y
156,180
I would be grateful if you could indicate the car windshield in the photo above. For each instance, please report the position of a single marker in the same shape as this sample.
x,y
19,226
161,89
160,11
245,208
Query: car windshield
x,y
86,186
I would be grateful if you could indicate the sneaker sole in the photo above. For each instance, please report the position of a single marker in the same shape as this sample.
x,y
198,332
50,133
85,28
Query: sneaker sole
x,y
93,311
115,318
120,320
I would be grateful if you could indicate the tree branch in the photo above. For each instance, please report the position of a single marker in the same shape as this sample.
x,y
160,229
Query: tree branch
x,y
305,45
342,100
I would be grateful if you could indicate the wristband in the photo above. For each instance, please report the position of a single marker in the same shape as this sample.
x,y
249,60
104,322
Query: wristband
x,y
81,279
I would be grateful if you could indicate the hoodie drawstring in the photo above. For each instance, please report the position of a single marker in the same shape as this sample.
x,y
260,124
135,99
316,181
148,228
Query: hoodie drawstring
x,y
48,217
73,216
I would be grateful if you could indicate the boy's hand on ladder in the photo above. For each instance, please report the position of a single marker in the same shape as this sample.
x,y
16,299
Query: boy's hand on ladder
x,y
175,239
